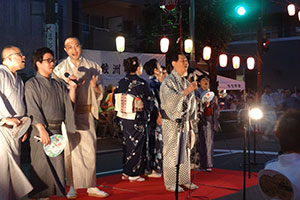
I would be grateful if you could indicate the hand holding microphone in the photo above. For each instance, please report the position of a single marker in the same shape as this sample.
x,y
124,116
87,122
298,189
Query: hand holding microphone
x,y
72,78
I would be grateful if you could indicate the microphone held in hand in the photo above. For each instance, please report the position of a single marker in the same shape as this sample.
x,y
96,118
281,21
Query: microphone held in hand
x,y
67,75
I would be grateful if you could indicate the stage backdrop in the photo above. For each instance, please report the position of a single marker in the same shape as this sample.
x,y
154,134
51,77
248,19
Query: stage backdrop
x,y
111,63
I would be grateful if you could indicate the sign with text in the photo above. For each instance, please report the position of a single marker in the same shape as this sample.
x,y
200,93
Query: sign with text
x,y
111,63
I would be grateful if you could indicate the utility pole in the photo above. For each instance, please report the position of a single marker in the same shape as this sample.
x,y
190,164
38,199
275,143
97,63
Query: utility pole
x,y
192,32
259,48
51,26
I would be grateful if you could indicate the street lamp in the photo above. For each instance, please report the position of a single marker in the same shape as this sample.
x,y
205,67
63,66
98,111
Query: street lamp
x,y
206,53
164,44
120,43
188,45
255,113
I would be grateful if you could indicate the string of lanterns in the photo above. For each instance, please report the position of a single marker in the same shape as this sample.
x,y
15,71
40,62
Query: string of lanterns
x,y
292,10
188,47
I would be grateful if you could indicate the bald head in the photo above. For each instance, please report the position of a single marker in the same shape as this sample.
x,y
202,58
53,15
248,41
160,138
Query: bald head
x,y
73,49
13,58
8,50
71,40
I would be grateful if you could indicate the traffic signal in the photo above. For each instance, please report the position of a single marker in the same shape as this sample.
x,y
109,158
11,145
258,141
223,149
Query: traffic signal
x,y
265,45
240,10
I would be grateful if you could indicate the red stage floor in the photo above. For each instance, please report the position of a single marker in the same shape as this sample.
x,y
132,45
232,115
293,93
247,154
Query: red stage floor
x,y
212,185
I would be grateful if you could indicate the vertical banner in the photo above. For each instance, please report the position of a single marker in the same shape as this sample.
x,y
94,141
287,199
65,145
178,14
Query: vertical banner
x,y
50,32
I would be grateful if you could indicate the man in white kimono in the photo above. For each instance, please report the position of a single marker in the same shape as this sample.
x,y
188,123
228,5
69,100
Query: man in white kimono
x,y
177,103
13,183
80,159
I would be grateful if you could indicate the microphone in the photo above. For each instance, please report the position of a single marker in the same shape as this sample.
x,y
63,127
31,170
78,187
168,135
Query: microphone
x,y
67,75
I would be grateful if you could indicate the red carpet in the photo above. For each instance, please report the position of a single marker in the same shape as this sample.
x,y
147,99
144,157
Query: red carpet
x,y
212,185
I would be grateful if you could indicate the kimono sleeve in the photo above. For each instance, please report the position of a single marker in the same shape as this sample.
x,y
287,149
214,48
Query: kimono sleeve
x,y
5,110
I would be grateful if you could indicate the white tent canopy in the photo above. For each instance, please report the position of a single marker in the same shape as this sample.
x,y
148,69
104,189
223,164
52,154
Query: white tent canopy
x,y
226,83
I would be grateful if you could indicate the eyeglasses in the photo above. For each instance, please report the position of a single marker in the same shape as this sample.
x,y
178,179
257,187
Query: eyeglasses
x,y
19,54
49,60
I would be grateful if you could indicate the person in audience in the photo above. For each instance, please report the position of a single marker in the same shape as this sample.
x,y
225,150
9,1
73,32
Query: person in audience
x,y
288,136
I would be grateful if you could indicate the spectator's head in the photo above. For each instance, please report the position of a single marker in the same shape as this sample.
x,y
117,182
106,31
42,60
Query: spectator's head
x,y
180,63
267,89
287,93
13,58
133,65
153,68
287,131
73,48
203,82
43,61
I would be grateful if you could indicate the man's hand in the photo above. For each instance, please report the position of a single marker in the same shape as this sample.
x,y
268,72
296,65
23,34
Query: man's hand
x,y
72,83
158,120
24,138
191,87
44,136
11,121
93,81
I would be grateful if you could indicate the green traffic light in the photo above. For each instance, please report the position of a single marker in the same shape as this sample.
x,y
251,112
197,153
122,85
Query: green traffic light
x,y
240,10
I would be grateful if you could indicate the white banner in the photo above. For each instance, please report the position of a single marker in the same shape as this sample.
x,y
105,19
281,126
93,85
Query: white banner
x,y
111,63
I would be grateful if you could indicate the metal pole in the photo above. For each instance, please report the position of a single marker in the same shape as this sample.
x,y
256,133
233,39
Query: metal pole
x,y
259,48
180,26
192,31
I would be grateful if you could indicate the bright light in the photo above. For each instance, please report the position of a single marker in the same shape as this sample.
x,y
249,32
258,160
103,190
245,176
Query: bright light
x,y
250,63
223,60
236,62
291,9
240,10
255,113
299,15
188,45
206,53
164,45
120,43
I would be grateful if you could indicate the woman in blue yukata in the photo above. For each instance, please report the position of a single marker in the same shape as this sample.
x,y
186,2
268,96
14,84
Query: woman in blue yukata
x,y
133,103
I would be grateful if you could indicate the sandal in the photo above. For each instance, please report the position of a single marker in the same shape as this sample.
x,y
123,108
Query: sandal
x,y
136,178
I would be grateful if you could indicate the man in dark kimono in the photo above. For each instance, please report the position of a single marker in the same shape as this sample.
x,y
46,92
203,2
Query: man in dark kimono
x,y
48,104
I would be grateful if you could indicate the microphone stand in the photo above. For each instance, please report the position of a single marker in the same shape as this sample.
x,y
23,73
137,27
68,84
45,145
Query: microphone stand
x,y
180,124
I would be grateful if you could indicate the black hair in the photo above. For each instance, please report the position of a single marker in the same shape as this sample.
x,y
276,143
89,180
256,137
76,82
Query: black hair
x,y
38,54
199,78
287,131
131,64
149,66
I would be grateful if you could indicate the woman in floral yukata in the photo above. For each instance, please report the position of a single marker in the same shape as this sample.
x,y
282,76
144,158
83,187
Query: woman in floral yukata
x,y
133,103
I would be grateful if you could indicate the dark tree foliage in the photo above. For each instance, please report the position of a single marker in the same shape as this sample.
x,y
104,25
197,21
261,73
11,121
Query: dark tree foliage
x,y
212,27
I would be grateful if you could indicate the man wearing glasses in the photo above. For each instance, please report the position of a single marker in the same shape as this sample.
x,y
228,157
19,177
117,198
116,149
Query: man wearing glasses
x,y
13,183
48,104
81,158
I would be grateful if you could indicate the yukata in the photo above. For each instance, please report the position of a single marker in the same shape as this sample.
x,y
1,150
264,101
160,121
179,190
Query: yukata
x,y
205,138
176,106
269,119
13,182
155,143
133,121
80,153
48,103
